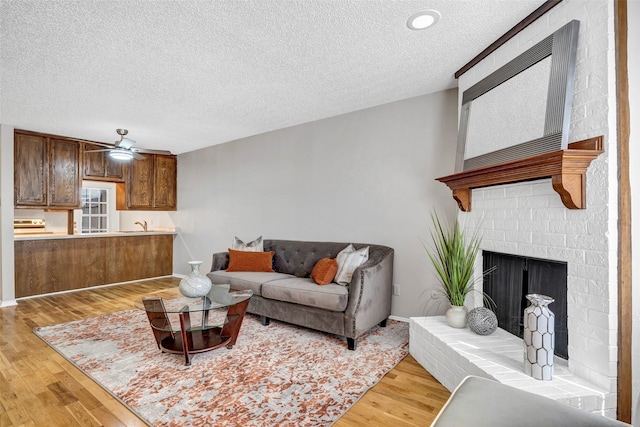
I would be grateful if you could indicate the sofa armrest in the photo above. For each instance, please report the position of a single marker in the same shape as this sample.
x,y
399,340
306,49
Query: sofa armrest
x,y
482,402
370,293
220,261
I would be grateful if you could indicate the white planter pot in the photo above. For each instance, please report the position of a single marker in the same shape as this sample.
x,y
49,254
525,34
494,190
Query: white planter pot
x,y
457,316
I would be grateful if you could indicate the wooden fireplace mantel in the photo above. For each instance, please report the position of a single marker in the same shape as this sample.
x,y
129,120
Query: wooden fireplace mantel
x,y
567,169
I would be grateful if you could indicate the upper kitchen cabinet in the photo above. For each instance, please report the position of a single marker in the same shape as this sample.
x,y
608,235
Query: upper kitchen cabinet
x,y
98,166
165,174
150,184
31,170
64,174
139,184
46,172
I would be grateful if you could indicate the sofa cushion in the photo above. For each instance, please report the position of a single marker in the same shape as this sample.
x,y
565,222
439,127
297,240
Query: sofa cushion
x,y
250,261
324,271
245,279
303,291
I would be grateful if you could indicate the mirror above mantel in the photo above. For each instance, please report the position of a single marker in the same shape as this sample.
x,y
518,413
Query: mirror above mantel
x,y
514,125
530,97
515,109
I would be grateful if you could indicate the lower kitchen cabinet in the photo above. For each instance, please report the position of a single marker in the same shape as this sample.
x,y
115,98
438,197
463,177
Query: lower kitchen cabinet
x,y
62,264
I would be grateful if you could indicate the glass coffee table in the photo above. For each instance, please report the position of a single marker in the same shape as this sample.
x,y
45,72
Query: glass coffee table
x,y
183,325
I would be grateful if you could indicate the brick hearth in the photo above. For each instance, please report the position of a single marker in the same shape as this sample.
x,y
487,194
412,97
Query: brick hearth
x,y
451,354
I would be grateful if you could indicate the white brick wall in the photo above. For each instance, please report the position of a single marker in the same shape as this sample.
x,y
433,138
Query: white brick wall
x,y
529,219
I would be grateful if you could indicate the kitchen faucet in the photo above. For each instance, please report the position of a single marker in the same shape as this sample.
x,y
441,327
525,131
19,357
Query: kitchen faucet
x,y
142,224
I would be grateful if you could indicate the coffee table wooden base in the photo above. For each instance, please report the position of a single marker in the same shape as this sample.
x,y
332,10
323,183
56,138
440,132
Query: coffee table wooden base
x,y
197,342
200,340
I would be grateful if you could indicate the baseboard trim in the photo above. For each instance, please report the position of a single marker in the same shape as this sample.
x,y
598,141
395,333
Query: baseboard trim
x,y
9,303
93,287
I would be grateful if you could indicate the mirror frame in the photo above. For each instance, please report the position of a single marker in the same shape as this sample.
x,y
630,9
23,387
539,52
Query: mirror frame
x,y
562,46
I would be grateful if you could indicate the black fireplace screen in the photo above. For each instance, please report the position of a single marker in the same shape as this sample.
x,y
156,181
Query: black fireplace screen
x,y
514,278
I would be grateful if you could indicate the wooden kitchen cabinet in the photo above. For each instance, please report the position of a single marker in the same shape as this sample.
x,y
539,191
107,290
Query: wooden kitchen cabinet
x,y
64,174
150,184
49,169
46,172
31,170
61,264
140,184
165,174
99,166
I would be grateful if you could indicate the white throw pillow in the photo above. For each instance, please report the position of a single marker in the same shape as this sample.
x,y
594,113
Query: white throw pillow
x,y
342,255
350,261
254,246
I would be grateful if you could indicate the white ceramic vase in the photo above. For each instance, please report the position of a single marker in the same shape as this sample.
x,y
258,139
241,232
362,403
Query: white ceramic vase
x,y
539,337
195,284
457,316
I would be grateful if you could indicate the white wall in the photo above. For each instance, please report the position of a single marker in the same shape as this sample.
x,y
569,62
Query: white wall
x,y
366,176
529,219
634,143
156,220
7,290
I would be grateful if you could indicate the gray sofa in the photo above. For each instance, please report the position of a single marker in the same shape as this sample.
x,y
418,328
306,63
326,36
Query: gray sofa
x,y
290,295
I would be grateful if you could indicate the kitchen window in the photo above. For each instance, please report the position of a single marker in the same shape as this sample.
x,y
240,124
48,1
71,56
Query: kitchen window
x,y
98,213
95,210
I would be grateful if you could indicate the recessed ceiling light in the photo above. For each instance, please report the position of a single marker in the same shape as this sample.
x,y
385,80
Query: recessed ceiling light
x,y
422,20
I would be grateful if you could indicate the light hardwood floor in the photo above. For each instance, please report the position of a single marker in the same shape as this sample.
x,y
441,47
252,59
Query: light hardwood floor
x,y
38,387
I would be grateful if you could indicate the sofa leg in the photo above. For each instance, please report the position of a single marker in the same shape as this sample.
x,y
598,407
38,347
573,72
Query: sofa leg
x,y
265,320
383,323
352,343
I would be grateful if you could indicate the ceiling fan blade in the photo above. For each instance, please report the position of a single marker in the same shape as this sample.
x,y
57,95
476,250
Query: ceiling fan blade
x,y
103,144
97,151
149,151
125,143
138,156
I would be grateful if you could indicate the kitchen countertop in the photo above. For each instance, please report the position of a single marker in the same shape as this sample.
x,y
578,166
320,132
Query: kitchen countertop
x,y
48,236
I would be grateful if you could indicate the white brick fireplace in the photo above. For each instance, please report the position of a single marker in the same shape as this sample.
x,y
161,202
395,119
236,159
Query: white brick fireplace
x,y
528,219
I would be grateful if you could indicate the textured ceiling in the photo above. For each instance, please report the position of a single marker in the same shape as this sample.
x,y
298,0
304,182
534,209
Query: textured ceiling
x,y
182,75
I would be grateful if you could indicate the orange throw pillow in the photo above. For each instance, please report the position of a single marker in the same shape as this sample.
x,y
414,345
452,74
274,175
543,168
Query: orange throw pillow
x,y
324,271
250,261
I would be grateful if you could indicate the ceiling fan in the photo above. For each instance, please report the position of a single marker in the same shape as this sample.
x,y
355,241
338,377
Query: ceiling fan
x,y
124,149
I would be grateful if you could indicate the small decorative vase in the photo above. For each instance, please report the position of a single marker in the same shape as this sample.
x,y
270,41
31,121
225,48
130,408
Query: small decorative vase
x,y
457,316
539,337
195,284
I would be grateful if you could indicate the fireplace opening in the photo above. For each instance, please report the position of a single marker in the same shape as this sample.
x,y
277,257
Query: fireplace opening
x,y
514,278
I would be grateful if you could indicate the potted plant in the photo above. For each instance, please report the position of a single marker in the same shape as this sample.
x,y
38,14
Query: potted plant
x,y
453,256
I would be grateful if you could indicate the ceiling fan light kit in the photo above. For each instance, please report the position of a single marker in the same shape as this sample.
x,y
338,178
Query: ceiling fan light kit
x,y
121,154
